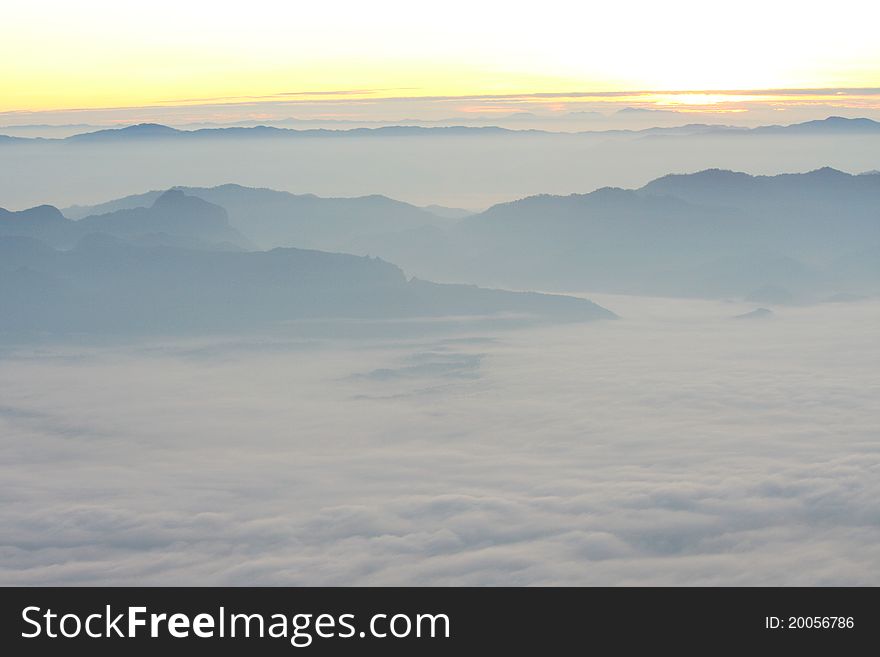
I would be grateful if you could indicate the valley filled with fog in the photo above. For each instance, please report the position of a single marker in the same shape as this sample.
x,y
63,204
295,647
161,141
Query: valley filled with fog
x,y
679,444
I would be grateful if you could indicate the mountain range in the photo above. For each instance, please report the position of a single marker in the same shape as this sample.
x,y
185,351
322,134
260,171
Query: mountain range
x,y
273,255
713,233
832,125
271,218
177,266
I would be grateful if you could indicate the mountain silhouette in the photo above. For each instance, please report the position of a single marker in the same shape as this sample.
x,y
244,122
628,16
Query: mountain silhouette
x,y
832,125
712,233
189,219
139,131
173,218
271,218
107,285
155,131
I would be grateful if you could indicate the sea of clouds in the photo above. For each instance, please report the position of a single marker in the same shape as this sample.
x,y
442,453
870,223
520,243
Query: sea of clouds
x,y
673,446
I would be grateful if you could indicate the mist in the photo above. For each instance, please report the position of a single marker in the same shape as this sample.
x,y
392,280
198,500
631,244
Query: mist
x,y
676,445
471,171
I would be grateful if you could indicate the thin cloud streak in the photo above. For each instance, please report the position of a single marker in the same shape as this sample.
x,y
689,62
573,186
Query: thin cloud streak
x,y
342,93
355,97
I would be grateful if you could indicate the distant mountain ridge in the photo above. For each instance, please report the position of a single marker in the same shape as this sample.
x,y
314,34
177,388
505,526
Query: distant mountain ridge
x,y
159,131
832,125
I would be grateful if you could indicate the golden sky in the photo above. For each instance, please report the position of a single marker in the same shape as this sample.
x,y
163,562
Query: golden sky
x,y
96,54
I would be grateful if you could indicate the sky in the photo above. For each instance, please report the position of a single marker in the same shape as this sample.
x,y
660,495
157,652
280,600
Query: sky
x,y
344,59
672,446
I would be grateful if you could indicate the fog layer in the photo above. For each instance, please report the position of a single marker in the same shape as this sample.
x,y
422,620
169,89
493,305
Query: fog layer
x,y
469,171
674,446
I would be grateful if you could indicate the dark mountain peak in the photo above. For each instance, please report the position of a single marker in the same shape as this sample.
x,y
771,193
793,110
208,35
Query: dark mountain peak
x,y
140,130
704,176
380,201
171,196
174,218
604,200
601,194
829,125
610,192
814,193
707,186
145,128
175,200
39,214
827,173
846,122
722,174
608,196
235,187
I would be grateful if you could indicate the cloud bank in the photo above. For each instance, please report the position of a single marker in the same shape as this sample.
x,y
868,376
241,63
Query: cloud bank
x,y
675,446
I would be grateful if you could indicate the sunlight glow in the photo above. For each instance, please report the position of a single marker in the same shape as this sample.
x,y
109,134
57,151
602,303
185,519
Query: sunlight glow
x,y
57,54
